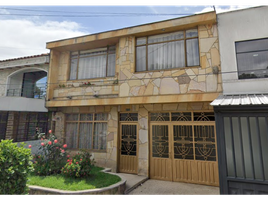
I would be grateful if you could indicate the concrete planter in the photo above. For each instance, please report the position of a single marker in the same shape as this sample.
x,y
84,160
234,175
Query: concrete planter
x,y
117,188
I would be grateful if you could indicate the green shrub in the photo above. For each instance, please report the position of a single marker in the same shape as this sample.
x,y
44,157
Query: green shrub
x,y
50,158
15,166
79,166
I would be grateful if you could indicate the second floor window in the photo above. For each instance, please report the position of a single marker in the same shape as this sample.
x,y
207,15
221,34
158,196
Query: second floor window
x,y
96,63
167,51
252,58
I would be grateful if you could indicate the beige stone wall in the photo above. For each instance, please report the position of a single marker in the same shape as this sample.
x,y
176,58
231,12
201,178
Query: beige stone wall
x,y
180,81
199,79
109,158
103,159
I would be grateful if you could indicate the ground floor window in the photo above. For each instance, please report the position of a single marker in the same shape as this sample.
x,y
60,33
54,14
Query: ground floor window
x,y
28,123
86,131
3,124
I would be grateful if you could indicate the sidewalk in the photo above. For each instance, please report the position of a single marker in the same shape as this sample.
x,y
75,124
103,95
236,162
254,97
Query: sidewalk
x,y
141,185
133,181
157,187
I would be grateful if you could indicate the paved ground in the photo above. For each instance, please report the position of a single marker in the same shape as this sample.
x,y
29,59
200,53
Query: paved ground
x,y
153,187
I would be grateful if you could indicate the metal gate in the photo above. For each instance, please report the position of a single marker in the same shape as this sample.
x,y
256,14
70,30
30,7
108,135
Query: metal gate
x,y
183,147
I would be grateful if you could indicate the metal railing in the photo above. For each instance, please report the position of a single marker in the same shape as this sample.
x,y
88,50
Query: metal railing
x,y
36,93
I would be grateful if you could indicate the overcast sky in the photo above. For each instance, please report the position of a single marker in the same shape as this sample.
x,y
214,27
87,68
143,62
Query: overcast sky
x,y
24,30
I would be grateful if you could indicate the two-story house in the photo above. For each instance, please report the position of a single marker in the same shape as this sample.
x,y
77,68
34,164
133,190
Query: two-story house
x,y
22,97
242,110
139,97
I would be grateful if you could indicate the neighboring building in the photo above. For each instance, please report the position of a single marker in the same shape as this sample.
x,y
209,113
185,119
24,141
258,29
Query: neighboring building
x,y
139,97
22,97
242,110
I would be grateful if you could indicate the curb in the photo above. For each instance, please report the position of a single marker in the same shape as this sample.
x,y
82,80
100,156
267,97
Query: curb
x,y
117,188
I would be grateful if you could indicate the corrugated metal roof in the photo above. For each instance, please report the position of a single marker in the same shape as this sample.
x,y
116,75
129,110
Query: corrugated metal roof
x,y
242,99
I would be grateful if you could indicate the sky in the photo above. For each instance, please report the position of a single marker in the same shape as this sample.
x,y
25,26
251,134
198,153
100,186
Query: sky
x,y
25,29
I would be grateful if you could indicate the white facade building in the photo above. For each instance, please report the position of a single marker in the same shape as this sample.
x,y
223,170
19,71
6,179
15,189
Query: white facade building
x,y
244,29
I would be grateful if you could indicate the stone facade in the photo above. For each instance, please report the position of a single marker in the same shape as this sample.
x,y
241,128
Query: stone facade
x,y
109,157
179,89
180,81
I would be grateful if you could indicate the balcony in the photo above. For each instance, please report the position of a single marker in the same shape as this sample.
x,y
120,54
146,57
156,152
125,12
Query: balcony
x,y
36,92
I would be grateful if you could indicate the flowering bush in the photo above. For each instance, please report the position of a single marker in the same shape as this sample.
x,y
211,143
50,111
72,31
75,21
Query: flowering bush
x,y
51,156
79,166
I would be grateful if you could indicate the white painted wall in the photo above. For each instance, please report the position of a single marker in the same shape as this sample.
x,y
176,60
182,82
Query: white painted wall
x,y
236,26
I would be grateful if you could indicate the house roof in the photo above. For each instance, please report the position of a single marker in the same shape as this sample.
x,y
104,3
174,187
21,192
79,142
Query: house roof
x,y
242,99
26,57
25,61
111,37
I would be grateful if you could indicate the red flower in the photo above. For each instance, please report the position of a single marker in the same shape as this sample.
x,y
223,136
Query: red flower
x,y
30,146
68,160
65,146
81,159
70,163
49,142
76,162
50,131
55,141
42,144
68,156
62,151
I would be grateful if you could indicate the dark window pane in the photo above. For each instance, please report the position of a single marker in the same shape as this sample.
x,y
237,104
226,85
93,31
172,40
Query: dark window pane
x,y
71,117
253,45
159,117
264,142
204,116
129,140
180,116
229,148
160,143
128,116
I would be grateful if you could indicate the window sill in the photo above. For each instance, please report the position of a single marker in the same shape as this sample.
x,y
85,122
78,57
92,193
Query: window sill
x,y
170,69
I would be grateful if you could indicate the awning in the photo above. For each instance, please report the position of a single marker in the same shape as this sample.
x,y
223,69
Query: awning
x,y
242,99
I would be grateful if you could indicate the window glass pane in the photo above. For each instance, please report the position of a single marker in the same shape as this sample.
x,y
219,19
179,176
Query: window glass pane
x,y
86,117
204,116
204,137
160,139
85,135
180,116
141,41
191,33
253,45
101,117
99,138
141,58
111,49
93,52
252,65
183,142
111,65
159,117
73,70
71,117
128,116
71,135
166,55
92,67
165,37
192,52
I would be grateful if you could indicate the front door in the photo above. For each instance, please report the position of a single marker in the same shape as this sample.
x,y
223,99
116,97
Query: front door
x,y
128,148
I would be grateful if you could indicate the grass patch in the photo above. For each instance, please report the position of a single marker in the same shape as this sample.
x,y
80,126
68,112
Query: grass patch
x,y
97,180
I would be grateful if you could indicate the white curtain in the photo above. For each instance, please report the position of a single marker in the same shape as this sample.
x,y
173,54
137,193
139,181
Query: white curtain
x,y
71,135
166,55
99,138
85,136
141,58
192,52
92,67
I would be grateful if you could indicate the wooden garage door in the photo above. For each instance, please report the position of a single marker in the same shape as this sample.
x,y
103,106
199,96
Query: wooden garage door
x,y
183,148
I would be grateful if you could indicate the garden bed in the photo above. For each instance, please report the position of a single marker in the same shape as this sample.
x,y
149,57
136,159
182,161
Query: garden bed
x,y
101,182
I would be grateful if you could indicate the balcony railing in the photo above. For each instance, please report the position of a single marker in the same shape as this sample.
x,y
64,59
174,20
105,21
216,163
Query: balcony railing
x,y
37,93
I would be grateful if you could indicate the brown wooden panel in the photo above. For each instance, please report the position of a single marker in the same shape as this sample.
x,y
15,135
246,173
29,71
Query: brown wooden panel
x,y
128,164
193,171
161,168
